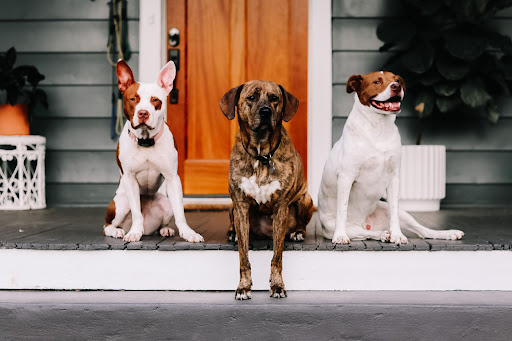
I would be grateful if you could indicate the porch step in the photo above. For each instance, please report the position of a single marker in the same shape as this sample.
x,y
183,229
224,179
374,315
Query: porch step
x,y
64,249
100,315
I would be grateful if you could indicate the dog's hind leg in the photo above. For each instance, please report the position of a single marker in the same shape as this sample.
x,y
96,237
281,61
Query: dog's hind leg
x,y
231,229
299,215
117,212
379,220
165,206
407,222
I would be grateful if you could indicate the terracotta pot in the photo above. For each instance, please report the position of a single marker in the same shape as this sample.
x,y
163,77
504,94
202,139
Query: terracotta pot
x,y
14,119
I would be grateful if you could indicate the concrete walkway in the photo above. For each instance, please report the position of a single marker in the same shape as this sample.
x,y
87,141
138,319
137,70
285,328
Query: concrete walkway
x,y
354,315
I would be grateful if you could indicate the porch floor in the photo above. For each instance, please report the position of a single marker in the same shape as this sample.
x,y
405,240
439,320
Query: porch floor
x,y
81,229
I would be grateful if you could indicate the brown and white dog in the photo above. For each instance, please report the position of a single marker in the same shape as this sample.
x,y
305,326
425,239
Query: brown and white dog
x,y
364,166
146,156
266,177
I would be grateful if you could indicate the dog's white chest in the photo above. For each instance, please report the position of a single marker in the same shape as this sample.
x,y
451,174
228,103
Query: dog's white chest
x,y
262,194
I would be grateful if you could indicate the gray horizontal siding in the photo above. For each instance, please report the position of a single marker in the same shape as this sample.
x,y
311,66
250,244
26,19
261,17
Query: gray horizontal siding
x,y
67,41
75,134
70,194
74,68
82,167
62,36
61,10
479,154
80,101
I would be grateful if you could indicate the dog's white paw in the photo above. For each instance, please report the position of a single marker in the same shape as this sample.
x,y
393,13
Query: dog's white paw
x,y
166,232
398,238
453,234
111,231
278,291
243,294
191,236
132,237
297,236
385,236
340,239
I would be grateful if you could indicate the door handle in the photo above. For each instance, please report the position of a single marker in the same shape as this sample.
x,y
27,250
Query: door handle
x,y
174,55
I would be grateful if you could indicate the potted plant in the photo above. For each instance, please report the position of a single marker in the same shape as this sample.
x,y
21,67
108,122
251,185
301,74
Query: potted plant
x,y
18,94
453,62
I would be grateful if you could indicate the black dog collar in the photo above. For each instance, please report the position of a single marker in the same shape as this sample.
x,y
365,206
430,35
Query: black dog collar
x,y
266,159
146,142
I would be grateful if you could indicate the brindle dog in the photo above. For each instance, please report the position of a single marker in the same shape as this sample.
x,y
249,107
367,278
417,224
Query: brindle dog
x,y
266,177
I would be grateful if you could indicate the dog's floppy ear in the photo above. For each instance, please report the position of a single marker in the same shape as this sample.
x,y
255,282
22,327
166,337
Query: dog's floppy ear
x,y
290,104
124,75
354,83
166,77
229,101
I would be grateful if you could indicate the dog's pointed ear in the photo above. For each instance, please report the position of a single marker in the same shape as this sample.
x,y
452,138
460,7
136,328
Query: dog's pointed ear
x,y
290,104
229,102
354,83
166,77
124,75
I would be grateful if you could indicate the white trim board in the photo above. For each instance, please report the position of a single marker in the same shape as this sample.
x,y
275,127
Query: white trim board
x,y
218,270
152,55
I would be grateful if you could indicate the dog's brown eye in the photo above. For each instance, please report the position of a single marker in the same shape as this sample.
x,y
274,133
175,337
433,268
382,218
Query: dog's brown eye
x,y
155,99
132,99
376,82
274,98
251,98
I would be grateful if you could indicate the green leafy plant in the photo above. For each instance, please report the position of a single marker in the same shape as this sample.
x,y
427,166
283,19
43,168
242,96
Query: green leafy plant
x,y
18,85
450,56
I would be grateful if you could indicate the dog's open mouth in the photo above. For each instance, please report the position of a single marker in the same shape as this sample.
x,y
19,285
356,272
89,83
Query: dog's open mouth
x,y
392,104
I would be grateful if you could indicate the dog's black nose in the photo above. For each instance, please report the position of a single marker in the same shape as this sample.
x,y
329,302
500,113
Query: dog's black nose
x,y
265,112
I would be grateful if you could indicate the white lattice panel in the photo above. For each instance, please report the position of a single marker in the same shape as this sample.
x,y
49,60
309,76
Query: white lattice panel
x,y
22,175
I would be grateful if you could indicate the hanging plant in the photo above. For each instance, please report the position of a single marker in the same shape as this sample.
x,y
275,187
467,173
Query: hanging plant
x,y
451,58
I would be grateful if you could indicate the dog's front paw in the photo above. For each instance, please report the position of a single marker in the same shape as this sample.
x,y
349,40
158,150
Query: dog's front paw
x,y
297,236
340,239
398,238
132,237
278,291
385,236
191,236
111,231
166,232
243,294
453,234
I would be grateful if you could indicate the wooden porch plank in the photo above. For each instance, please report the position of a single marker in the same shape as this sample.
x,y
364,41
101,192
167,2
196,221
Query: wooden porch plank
x,y
80,229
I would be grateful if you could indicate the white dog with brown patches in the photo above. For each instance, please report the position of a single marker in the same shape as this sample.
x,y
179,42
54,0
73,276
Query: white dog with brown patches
x,y
146,157
364,167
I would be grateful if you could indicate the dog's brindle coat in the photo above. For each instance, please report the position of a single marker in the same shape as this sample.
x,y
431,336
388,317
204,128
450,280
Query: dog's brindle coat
x,y
265,193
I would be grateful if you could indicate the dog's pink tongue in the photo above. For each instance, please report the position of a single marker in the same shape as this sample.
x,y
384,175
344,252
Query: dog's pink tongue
x,y
393,106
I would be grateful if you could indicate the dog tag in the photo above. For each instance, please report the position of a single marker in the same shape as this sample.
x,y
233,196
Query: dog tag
x,y
271,165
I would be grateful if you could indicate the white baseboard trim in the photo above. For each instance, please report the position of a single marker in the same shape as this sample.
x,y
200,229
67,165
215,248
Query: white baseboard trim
x,y
207,201
218,270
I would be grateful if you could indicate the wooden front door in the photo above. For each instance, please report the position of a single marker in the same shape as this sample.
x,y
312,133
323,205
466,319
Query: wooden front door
x,y
222,44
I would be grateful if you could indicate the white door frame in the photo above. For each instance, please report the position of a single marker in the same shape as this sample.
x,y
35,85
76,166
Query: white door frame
x,y
152,56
